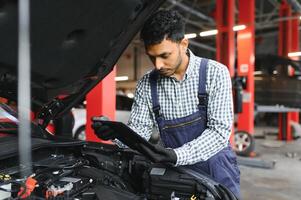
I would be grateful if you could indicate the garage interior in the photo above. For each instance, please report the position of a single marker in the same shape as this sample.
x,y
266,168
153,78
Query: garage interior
x,y
251,38
258,41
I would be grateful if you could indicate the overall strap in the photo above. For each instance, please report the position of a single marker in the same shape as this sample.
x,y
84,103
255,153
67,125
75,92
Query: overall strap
x,y
202,95
153,84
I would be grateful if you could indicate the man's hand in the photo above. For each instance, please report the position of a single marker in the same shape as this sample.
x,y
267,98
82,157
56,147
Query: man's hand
x,y
159,154
102,131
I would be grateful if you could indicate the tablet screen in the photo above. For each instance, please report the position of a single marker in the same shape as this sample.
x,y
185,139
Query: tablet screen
x,y
127,136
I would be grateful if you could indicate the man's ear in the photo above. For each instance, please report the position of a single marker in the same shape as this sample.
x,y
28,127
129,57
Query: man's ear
x,y
184,44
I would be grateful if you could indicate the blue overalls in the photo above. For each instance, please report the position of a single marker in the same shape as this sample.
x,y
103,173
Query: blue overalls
x,y
222,167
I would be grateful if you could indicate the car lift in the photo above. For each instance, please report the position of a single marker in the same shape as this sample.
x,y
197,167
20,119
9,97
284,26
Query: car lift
x,y
225,39
288,42
225,54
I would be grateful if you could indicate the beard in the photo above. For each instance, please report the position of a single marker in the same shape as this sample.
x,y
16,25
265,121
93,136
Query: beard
x,y
172,70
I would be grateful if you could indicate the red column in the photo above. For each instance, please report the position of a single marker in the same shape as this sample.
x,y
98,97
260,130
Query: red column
x,y
295,33
245,63
284,47
101,100
294,48
225,17
285,29
225,41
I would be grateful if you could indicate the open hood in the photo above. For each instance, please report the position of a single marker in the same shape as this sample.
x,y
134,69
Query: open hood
x,y
74,45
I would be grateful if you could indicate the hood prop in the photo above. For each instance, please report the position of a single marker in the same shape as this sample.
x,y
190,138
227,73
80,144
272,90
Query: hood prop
x,y
49,112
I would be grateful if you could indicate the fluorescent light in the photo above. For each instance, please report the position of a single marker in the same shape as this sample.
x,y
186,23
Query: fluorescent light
x,y
208,33
215,31
121,78
257,72
190,35
130,95
300,17
239,27
293,54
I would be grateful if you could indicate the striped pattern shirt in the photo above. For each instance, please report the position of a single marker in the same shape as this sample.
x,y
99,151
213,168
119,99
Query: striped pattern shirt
x,y
179,99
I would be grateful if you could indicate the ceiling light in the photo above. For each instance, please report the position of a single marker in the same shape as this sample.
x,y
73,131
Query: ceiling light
x,y
208,33
239,27
293,54
130,95
121,78
257,72
215,31
190,35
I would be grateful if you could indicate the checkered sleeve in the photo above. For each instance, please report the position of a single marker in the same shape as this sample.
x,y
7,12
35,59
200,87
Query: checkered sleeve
x,y
141,119
219,119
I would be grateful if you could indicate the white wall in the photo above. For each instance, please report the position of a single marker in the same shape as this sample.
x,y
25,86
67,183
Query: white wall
x,y
125,65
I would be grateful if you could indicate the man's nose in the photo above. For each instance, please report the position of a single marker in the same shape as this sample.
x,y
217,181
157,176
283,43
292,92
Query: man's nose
x,y
158,64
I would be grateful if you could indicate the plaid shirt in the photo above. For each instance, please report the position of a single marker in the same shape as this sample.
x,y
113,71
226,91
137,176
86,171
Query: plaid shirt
x,y
179,99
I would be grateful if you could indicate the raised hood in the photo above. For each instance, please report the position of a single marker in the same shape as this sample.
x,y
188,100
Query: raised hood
x,y
74,44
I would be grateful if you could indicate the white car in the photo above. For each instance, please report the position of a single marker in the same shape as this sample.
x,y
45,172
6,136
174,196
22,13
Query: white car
x,y
123,110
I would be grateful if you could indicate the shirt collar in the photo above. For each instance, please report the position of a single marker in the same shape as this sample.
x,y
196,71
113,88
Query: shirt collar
x,y
191,63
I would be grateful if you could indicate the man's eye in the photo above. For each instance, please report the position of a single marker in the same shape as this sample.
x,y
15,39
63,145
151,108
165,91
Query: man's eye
x,y
152,58
164,56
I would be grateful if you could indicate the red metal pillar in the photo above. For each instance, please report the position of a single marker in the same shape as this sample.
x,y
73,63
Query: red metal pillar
x,y
245,63
295,34
101,100
285,28
225,49
225,39
284,47
295,47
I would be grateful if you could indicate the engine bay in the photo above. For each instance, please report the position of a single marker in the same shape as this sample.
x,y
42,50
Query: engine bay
x,y
85,170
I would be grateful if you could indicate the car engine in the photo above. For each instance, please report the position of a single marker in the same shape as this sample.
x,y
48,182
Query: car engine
x,y
84,170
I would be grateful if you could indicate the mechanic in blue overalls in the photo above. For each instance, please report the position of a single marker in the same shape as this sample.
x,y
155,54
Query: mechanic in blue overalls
x,y
189,100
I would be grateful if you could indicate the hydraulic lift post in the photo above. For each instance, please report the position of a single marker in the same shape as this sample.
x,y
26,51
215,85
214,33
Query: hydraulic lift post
x,y
101,100
245,63
295,48
225,40
288,41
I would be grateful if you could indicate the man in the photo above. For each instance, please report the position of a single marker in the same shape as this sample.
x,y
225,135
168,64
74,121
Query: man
x,y
188,99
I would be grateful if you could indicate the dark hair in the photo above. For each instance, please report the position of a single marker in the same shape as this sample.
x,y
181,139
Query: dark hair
x,y
163,24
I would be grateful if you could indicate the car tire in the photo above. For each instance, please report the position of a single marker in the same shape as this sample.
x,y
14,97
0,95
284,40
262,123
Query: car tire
x,y
80,133
244,143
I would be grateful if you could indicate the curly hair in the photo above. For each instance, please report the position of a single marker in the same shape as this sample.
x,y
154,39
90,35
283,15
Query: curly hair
x,y
163,24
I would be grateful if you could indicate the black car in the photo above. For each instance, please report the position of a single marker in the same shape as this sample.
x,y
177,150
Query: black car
x,y
273,83
74,45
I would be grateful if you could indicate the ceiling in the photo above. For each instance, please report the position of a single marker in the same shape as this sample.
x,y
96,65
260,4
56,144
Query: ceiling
x,y
199,16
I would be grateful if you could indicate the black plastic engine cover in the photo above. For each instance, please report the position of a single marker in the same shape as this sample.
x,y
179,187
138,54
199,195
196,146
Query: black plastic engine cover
x,y
164,183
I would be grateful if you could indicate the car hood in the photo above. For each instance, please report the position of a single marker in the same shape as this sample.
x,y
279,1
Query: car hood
x,y
74,45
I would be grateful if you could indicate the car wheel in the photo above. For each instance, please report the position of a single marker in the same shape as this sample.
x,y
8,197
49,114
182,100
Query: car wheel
x,y
243,143
80,133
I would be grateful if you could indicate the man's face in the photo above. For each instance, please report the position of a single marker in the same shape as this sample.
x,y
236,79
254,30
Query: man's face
x,y
166,56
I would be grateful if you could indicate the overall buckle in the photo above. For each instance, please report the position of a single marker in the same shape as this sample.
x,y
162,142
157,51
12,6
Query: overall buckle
x,y
156,110
203,99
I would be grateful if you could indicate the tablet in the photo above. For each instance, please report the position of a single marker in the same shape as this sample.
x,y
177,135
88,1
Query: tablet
x,y
128,136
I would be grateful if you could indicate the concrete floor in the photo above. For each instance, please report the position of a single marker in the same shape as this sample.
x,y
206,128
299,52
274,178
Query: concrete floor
x,y
281,183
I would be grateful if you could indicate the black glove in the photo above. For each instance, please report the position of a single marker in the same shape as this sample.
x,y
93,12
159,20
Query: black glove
x,y
102,131
159,154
